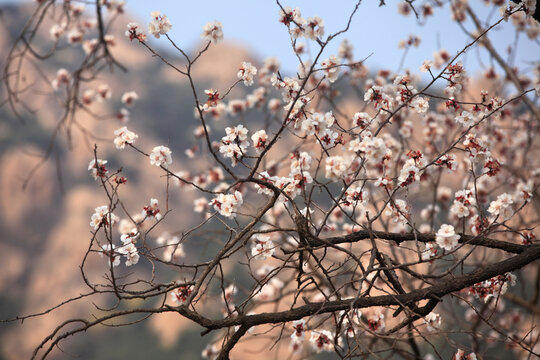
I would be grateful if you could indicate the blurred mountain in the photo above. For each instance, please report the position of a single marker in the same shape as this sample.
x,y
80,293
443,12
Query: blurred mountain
x,y
44,229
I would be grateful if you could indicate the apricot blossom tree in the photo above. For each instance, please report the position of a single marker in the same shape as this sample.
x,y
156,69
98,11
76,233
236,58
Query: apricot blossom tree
x,y
404,228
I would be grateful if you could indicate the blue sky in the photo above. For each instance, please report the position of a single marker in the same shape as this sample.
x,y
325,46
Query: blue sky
x,y
374,29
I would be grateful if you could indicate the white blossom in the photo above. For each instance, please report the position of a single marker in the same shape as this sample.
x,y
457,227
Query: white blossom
x,y
260,140
420,104
262,247
102,216
426,66
502,206
180,295
99,169
161,156
212,31
466,119
246,73
123,137
108,250
129,98
447,238
227,204
331,68
135,32
313,28
159,25
131,254
433,321
336,167
322,340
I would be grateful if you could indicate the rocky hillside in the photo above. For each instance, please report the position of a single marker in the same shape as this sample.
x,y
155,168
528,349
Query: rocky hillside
x,y
44,228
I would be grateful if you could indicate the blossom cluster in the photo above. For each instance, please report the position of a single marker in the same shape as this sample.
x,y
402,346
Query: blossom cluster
x,y
262,248
493,287
124,137
213,32
180,295
152,210
502,207
246,73
128,248
463,205
135,32
447,238
461,355
228,204
160,24
161,156
234,145
102,217
98,169
312,27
